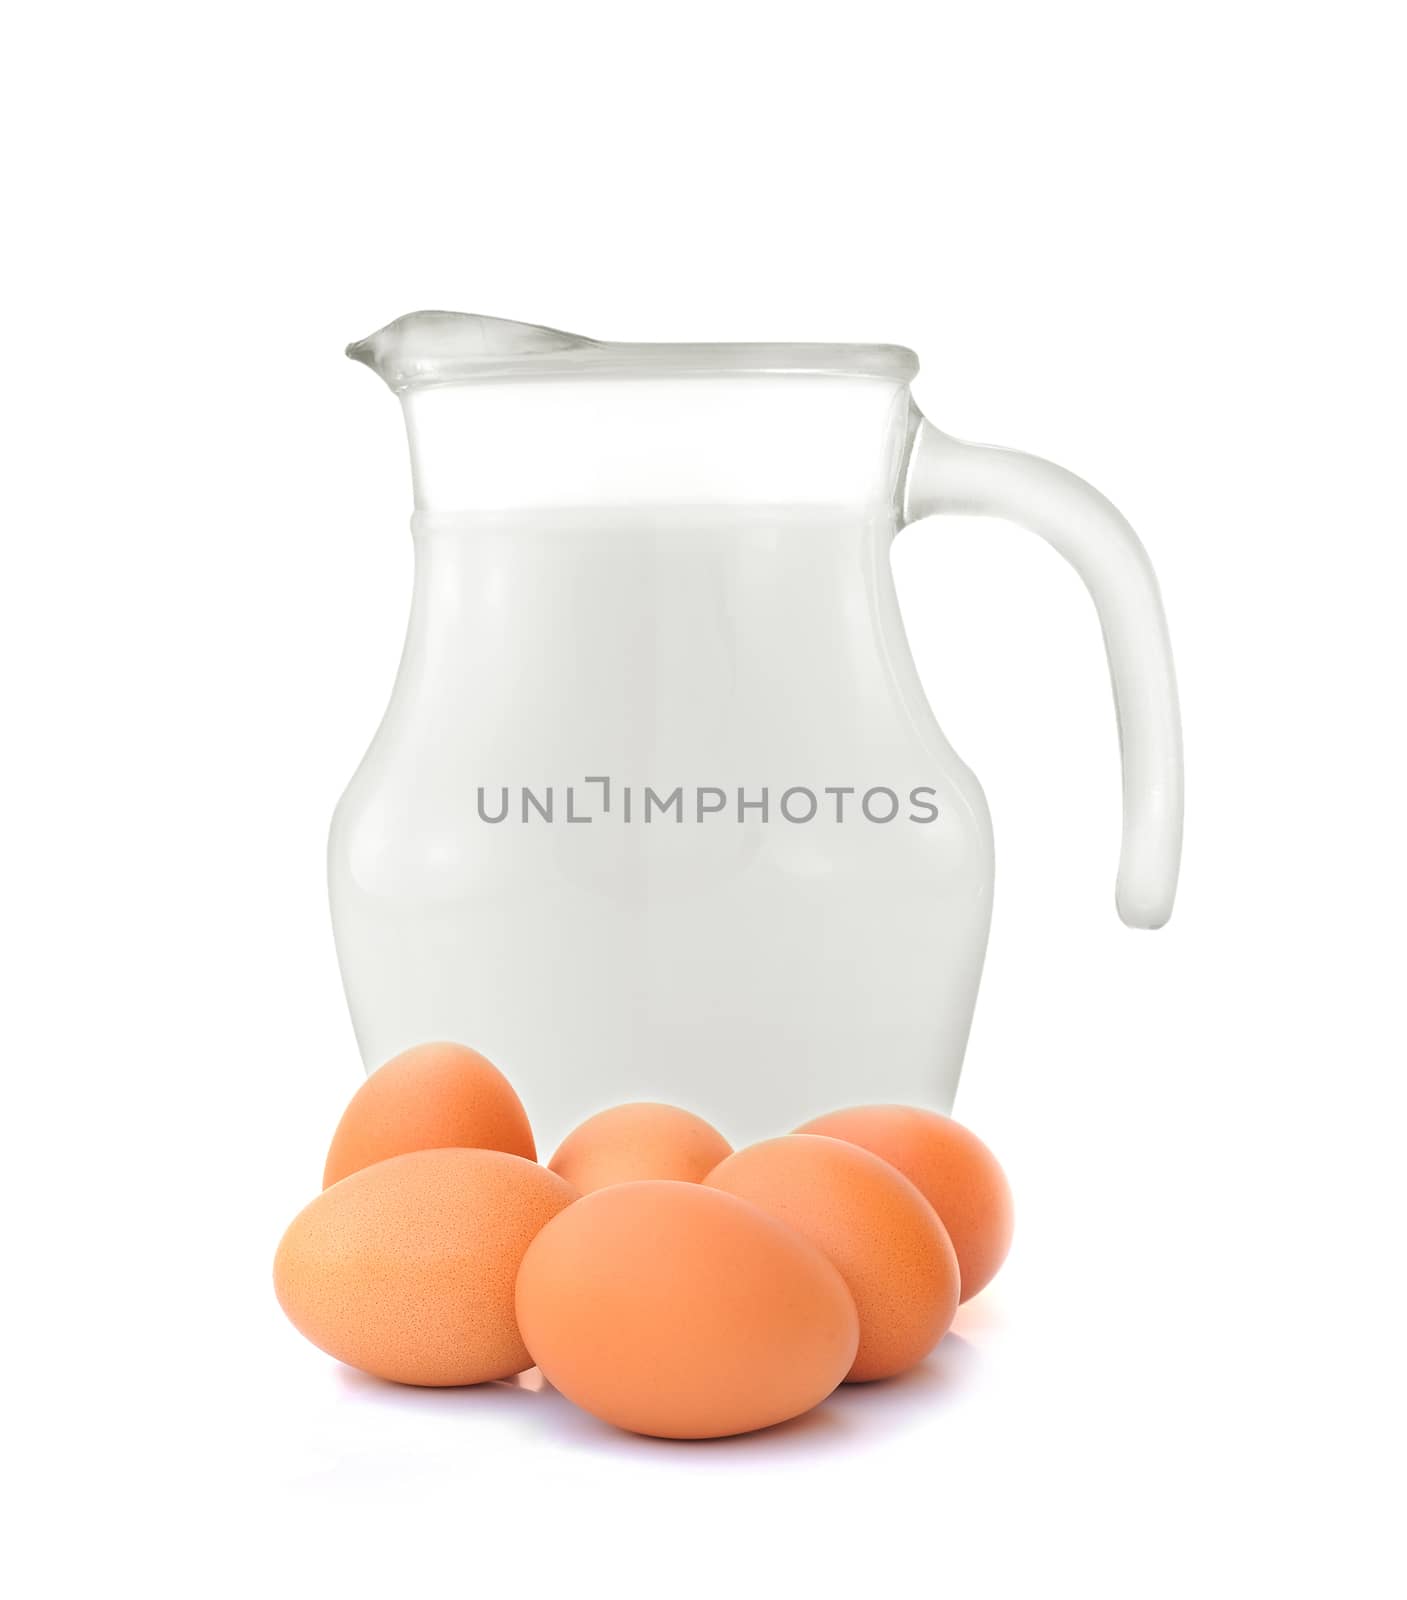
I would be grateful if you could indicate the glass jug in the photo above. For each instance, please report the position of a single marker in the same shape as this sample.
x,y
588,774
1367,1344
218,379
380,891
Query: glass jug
x,y
658,808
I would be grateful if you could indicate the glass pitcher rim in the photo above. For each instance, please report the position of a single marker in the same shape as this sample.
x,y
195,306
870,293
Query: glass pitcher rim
x,y
424,349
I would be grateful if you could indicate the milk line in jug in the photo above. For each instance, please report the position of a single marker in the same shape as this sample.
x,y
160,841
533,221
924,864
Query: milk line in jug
x,y
797,804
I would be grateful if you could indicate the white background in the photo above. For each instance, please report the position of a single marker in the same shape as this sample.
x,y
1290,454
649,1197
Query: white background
x,y
1159,244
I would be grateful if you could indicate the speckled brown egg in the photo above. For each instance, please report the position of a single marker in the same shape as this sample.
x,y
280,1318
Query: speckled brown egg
x,y
951,1166
638,1141
427,1098
680,1311
882,1235
406,1269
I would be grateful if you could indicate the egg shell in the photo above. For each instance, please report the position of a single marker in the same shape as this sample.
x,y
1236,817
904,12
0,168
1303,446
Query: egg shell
x,y
670,1309
406,1269
949,1164
874,1225
427,1098
637,1141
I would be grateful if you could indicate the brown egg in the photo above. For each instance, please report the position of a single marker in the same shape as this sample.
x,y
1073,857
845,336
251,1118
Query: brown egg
x,y
644,1140
883,1236
427,1098
406,1268
953,1168
671,1309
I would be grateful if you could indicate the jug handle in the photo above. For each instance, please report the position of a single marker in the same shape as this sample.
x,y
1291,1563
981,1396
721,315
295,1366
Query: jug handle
x,y
949,475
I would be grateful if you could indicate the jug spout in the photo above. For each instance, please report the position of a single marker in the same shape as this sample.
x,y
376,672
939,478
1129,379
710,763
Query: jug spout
x,y
440,346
